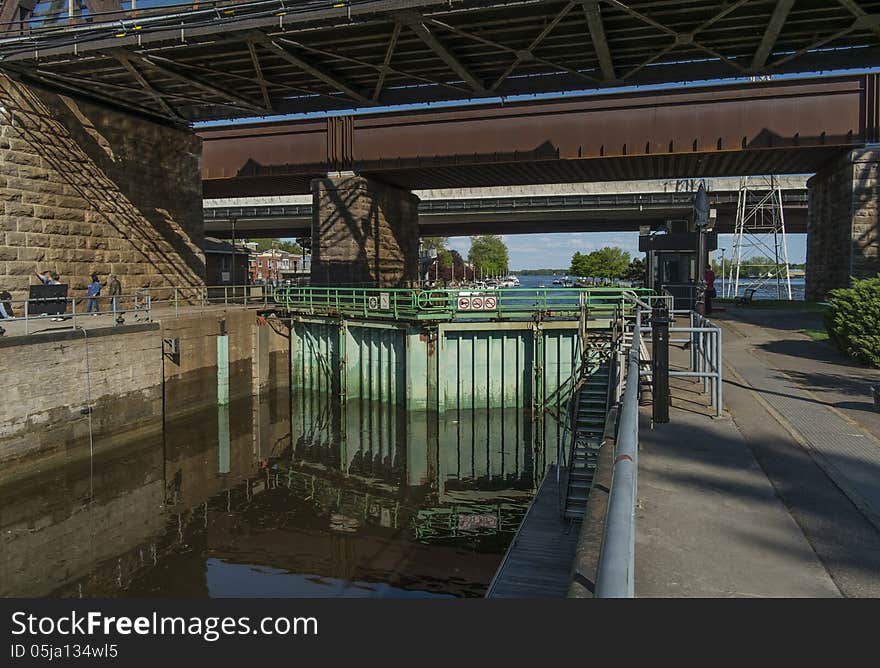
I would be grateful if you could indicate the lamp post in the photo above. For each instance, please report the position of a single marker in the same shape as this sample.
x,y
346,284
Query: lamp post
x,y
724,292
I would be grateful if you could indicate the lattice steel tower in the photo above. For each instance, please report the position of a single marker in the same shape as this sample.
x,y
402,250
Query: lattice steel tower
x,y
760,252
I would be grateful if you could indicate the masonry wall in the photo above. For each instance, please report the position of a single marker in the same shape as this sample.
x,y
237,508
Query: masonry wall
x,y
843,229
191,380
49,379
87,189
364,233
134,385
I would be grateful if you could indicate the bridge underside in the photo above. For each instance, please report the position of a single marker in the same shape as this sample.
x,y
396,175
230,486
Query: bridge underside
x,y
264,57
502,221
774,127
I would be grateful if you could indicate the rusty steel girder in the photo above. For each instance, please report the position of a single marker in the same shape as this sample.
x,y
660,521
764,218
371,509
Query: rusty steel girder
x,y
788,126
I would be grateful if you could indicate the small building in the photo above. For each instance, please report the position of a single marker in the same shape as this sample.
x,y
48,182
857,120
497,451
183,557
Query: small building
x,y
275,265
219,266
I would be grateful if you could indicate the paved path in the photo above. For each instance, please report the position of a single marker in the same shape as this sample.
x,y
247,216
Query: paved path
x,y
709,522
823,402
767,359
39,325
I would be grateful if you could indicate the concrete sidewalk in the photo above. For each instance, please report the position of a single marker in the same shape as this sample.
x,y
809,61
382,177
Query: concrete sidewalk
x,y
773,499
40,325
709,522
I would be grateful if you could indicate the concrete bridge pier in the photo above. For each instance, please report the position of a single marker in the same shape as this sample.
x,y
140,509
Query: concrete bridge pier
x,y
843,229
364,233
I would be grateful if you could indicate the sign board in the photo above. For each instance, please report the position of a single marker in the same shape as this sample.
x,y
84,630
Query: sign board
x,y
477,302
385,300
47,299
373,302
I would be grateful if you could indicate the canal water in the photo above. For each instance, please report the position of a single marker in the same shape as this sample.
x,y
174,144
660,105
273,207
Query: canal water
x,y
285,495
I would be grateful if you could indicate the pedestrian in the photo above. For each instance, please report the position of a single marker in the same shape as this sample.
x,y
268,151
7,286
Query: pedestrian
x,y
710,293
49,278
93,292
6,306
114,289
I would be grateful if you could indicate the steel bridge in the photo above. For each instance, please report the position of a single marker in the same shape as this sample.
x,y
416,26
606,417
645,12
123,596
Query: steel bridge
x,y
525,210
188,61
774,127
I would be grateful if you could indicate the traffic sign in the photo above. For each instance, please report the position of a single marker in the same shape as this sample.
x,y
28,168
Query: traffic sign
x,y
477,303
385,300
490,303
464,303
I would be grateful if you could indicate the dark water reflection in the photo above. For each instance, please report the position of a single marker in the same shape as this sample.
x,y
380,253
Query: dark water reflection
x,y
281,496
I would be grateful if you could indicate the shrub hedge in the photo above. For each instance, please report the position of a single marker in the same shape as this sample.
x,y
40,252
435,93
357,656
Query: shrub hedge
x,y
853,320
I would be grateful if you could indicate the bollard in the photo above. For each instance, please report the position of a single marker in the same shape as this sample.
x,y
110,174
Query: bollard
x,y
660,364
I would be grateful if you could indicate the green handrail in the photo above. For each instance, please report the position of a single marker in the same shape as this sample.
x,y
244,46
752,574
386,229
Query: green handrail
x,y
453,303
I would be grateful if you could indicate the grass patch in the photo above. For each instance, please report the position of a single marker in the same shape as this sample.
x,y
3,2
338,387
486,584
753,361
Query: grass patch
x,y
816,334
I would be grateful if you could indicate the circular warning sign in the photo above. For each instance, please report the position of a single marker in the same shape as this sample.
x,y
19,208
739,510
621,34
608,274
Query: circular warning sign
x,y
490,303
464,304
477,303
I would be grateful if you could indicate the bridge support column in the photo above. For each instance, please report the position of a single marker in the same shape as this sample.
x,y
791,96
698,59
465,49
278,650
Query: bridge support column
x,y
843,229
364,233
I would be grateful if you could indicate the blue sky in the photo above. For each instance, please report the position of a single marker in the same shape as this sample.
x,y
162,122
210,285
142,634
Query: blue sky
x,y
554,251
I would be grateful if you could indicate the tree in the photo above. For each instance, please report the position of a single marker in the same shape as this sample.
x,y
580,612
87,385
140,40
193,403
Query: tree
x,y
488,253
434,243
268,244
636,270
608,262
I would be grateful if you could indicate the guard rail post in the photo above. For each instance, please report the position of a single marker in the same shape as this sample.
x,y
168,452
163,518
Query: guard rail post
x,y
660,365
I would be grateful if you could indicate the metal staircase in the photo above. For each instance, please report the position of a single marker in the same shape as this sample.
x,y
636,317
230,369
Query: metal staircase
x,y
590,410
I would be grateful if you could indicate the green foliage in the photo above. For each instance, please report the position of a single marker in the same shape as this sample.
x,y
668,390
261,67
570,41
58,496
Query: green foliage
x,y
445,257
636,270
268,244
488,253
434,243
608,262
853,320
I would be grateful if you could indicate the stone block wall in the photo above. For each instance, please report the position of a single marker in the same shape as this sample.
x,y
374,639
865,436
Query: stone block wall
x,y
364,233
843,230
51,377
87,189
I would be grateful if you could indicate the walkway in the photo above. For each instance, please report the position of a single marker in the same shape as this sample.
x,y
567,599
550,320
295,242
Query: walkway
x,y
806,412
709,522
38,325
539,560
763,501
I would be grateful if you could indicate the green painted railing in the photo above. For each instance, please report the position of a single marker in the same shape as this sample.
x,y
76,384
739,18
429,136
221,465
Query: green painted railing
x,y
448,304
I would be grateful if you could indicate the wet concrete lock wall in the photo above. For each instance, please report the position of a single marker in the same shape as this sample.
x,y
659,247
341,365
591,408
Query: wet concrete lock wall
x,y
61,386
68,386
450,366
